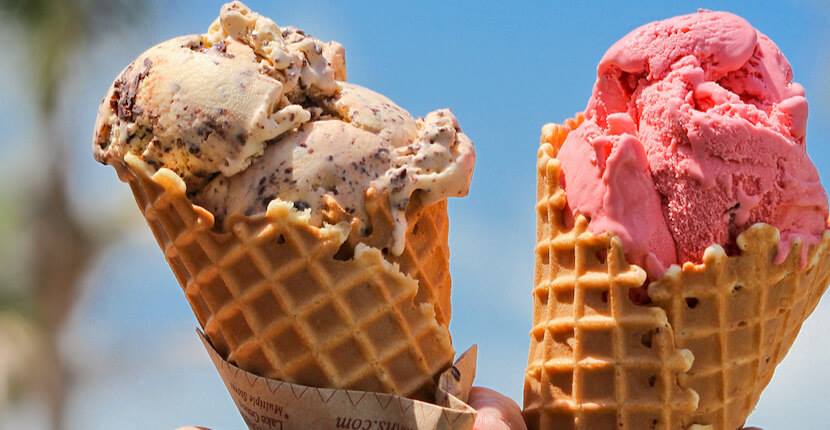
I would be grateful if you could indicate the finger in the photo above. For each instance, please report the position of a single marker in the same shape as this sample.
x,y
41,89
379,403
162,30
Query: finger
x,y
495,411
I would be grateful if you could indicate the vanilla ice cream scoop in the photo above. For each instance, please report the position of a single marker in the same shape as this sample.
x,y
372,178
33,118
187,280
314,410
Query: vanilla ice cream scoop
x,y
374,143
248,113
207,104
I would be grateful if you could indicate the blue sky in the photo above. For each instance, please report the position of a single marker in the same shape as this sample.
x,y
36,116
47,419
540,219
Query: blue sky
x,y
504,69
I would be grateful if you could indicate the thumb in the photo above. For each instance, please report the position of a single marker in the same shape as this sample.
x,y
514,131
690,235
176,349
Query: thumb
x,y
495,411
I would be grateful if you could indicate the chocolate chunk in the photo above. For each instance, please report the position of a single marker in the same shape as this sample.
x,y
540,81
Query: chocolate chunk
x,y
222,49
124,93
196,44
102,139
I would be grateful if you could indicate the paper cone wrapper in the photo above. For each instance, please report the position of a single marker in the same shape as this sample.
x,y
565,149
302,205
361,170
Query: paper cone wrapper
x,y
286,300
270,404
696,358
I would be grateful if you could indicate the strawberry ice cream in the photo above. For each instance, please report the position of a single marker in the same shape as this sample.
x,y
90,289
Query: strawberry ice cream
x,y
695,131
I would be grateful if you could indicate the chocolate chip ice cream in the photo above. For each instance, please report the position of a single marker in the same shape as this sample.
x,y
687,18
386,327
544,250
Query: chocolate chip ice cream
x,y
250,112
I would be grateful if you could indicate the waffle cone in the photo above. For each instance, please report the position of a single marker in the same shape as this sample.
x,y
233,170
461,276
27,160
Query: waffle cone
x,y
426,254
599,361
739,315
280,298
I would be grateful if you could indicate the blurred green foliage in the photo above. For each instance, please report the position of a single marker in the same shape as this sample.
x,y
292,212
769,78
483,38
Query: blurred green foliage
x,y
44,246
12,295
57,28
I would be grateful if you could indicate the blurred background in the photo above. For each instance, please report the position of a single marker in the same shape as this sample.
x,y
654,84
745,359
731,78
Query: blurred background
x,y
94,331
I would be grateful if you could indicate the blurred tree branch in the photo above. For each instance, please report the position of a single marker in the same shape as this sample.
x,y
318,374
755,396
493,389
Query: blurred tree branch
x,y
61,249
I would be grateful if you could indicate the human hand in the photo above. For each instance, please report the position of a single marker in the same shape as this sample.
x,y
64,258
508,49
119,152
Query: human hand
x,y
495,411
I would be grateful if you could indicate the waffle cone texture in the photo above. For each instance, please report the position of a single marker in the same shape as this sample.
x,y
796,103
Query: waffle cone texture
x,y
287,300
697,357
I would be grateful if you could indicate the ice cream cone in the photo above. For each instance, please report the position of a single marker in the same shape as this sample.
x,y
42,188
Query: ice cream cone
x,y
739,315
278,297
697,357
426,254
597,360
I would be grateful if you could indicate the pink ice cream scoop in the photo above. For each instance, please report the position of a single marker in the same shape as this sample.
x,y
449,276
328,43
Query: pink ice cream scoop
x,y
695,130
